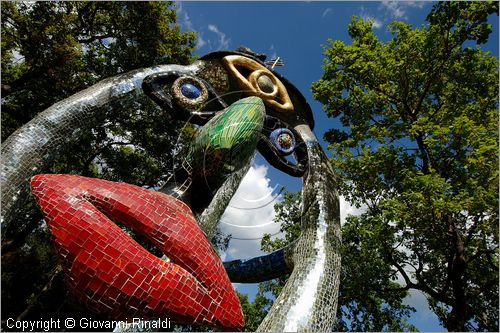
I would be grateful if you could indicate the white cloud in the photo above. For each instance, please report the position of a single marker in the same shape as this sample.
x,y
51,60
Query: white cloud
x,y
397,9
17,57
250,214
416,4
376,23
273,53
326,12
184,18
223,40
347,209
186,23
394,8
200,42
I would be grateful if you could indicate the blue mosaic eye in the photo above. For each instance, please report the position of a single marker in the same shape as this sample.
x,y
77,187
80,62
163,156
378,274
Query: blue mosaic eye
x,y
190,91
283,140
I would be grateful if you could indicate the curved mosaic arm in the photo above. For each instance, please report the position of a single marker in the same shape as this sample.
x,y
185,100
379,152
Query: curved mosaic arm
x,y
209,219
28,151
263,268
308,302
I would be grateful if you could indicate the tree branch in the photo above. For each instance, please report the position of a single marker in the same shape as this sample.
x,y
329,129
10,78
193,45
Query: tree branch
x,y
419,285
424,154
409,283
470,233
478,254
391,290
94,38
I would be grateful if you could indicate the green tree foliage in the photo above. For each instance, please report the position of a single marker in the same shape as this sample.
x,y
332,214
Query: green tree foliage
x,y
420,150
255,311
364,303
51,50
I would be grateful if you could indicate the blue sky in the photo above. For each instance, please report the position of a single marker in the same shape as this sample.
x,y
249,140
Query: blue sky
x,y
294,31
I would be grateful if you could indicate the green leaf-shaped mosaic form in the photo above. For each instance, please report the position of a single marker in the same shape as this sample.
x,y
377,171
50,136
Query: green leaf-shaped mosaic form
x,y
228,140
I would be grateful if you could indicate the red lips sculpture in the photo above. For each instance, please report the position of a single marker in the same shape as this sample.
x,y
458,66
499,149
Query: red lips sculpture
x,y
118,277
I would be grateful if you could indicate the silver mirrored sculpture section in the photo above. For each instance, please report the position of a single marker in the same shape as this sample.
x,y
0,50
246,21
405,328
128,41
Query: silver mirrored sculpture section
x,y
210,92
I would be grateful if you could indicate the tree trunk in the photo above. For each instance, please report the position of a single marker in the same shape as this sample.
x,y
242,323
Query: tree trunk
x,y
458,316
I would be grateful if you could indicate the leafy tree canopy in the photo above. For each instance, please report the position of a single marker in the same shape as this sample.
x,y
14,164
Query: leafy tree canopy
x,y
255,311
50,50
364,301
420,150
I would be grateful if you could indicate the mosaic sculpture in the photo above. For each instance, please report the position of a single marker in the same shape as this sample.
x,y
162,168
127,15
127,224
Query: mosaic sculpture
x,y
241,106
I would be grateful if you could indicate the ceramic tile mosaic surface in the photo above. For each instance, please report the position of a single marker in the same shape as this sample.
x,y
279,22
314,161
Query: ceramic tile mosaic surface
x,y
117,276
241,106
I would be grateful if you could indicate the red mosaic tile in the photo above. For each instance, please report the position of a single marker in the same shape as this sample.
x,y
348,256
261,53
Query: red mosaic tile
x,y
115,275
